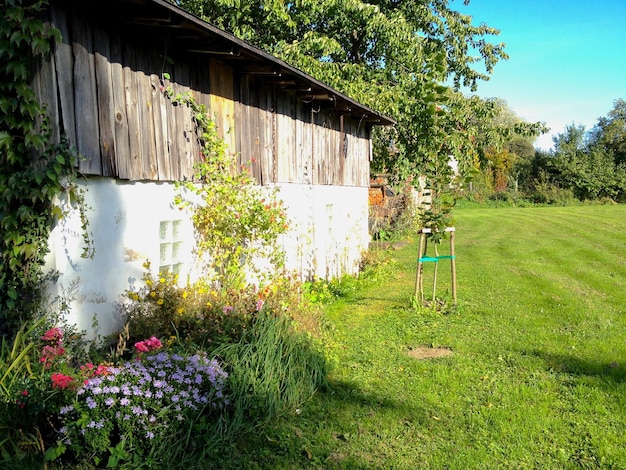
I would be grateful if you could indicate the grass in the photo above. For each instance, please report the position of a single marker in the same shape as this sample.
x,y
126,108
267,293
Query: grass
x,y
537,378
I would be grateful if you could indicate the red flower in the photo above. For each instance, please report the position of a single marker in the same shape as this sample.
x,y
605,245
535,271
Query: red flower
x,y
25,393
61,381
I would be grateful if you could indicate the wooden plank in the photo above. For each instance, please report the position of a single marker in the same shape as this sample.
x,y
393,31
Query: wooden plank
x,y
249,136
174,115
121,132
303,143
341,152
48,87
134,166
160,114
265,119
315,146
44,85
197,83
204,97
85,97
332,150
185,133
286,137
106,103
255,139
244,126
222,101
64,72
146,120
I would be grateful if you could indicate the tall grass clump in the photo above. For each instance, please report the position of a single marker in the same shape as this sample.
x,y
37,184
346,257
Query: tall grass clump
x,y
272,370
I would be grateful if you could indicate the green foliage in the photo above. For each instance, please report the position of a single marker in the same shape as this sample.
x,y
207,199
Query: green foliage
x,y
586,168
34,383
237,223
33,170
273,370
610,132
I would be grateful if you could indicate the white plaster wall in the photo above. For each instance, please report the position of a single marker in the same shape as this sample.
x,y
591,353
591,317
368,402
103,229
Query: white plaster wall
x,y
124,223
327,237
330,229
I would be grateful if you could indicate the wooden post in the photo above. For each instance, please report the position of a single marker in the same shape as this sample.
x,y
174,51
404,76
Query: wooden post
x,y
453,264
435,274
422,258
420,253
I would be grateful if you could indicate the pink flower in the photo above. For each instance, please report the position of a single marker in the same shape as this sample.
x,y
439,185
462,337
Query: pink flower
x,y
52,335
259,305
87,367
102,370
49,354
148,345
227,309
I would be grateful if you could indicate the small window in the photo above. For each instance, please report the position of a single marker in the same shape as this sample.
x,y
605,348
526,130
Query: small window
x,y
171,244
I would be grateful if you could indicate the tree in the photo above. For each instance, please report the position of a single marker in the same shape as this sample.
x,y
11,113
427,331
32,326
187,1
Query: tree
x,y
610,132
505,149
391,55
585,166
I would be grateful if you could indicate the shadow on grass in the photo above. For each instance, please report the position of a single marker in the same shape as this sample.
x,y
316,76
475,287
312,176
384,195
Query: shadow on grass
x,y
612,372
312,437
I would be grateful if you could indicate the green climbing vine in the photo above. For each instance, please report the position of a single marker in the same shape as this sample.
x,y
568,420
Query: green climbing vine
x,y
237,223
34,171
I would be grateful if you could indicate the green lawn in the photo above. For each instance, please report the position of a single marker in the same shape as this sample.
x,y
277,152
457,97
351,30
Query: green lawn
x,y
537,378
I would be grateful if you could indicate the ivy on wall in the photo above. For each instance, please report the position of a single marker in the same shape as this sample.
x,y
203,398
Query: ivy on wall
x,y
34,171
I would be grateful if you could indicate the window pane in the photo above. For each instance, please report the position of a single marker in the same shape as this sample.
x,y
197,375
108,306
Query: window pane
x,y
166,254
164,230
176,230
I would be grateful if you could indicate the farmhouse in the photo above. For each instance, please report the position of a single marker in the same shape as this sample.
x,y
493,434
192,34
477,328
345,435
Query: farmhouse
x,y
103,89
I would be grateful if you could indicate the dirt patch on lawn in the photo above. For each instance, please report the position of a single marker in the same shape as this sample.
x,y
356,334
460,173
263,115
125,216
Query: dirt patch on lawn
x,y
429,353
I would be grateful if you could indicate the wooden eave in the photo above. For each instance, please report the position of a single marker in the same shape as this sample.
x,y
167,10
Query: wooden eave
x,y
186,32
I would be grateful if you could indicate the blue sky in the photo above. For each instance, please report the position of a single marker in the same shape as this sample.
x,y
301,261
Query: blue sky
x,y
567,58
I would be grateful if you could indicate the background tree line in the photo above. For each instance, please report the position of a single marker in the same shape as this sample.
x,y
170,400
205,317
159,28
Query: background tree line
x,y
583,165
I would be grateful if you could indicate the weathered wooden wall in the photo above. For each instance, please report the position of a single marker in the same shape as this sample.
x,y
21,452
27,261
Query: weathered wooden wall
x,y
103,87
